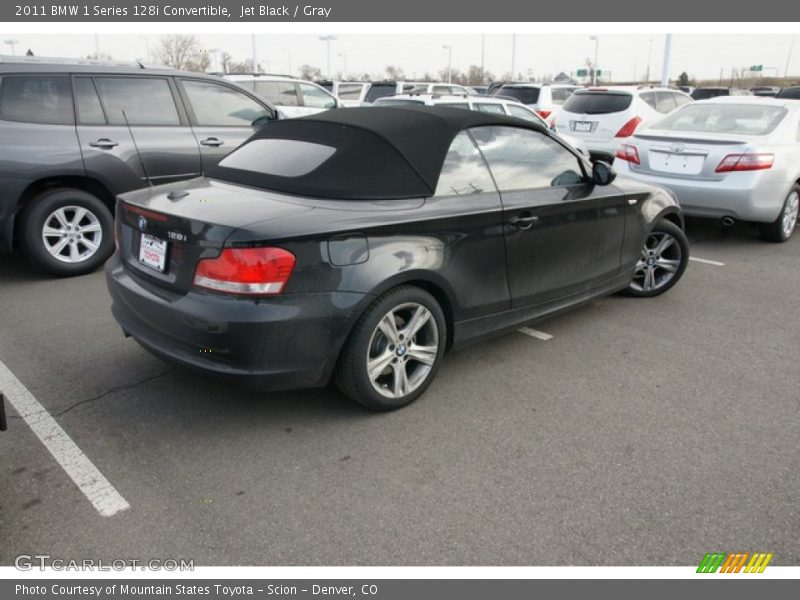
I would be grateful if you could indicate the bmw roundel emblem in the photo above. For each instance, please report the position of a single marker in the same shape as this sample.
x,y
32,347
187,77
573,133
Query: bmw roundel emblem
x,y
142,223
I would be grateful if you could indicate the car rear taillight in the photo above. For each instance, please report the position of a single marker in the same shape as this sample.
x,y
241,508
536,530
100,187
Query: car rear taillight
x,y
544,113
249,271
628,152
745,162
629,127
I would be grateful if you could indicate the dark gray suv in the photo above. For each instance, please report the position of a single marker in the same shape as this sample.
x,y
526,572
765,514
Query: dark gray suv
x,y
76,135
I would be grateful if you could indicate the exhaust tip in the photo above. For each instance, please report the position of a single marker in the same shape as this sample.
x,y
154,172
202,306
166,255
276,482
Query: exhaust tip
x,y
728,221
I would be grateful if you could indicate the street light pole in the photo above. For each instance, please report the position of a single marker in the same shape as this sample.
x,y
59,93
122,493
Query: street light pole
x,y
288,59
665,66
789,57
328,39
253,57
596,51
449,63
649,56
513,55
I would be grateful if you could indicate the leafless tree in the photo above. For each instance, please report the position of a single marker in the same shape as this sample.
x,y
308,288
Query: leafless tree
x,y
310,73
182,52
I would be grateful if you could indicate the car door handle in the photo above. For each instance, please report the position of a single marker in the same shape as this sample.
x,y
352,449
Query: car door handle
x,y
104,143
212,141
524,221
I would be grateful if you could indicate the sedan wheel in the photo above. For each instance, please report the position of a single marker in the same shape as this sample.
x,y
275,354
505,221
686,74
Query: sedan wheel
x,y
662,261
394,350
783,227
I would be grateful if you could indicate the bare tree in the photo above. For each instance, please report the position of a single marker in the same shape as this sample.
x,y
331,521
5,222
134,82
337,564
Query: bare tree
x,y
394,73
182,52
310,73
232,66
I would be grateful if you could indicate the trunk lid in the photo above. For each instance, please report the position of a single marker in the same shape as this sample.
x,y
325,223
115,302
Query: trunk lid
x,y
164,231
687,155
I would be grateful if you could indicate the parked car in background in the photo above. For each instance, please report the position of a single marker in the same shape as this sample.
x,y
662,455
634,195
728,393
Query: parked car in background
x,y
480,90
726,158
362,244
686,89
487,104
604,117
765,90
381,89
349,93
76,134
544,98
444,89
713,91
789,93
292,97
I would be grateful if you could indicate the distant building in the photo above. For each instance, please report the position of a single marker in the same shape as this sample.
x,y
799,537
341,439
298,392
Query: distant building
x,y
562,78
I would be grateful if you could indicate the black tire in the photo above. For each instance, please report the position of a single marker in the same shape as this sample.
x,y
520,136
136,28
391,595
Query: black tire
x,y
352,376
97,228
675,255
780,230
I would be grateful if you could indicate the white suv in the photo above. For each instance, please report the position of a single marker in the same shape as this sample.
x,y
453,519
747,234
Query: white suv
x,y
544,98
604,117
292,97
486,104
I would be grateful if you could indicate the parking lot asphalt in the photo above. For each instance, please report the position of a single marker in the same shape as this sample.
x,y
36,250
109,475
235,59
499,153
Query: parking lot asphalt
x,y
644,432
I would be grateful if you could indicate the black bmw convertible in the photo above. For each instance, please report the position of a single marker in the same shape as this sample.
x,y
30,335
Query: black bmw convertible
x,y
362,244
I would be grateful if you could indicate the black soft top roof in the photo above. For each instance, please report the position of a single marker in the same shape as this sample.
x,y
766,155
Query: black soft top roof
x,y
381,152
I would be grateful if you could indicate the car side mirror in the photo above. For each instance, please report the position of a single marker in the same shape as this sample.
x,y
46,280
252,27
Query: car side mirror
x,y
602,173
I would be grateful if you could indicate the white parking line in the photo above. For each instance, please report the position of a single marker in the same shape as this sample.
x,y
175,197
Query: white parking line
x,y
535,333
86,476
705,261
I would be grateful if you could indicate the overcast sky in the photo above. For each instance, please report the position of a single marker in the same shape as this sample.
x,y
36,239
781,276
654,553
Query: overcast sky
x,y
625,55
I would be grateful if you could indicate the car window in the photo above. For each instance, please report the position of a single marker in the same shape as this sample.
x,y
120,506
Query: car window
x,y
665,103
524,159
144,100
792,93
284,158
485,107
649,98
90,111
526,95
444,90
379,91
218,105
36,99
315,97
398,102
598,103
454,104
560,95
680,99
280,93
523,113
350,92
708,117
464,171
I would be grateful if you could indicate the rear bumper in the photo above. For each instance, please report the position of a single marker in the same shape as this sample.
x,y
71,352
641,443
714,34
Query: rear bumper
x,y
743,196
287,342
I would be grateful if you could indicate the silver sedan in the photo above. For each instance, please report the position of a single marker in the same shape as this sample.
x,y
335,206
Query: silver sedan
x,y
728,158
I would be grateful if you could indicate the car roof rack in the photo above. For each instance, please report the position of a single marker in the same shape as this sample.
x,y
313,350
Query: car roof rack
x,y
254,74
95,62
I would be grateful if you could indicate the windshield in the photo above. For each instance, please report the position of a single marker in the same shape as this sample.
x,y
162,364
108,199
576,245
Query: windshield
x,y
597,103
526,95
744,119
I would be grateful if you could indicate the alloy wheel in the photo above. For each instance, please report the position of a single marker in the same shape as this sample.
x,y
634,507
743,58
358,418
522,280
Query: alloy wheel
x,y
658,263
72,234
790,211
402,350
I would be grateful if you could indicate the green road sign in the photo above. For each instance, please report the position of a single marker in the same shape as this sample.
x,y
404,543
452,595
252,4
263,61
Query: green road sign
x,y
581,72
757,68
